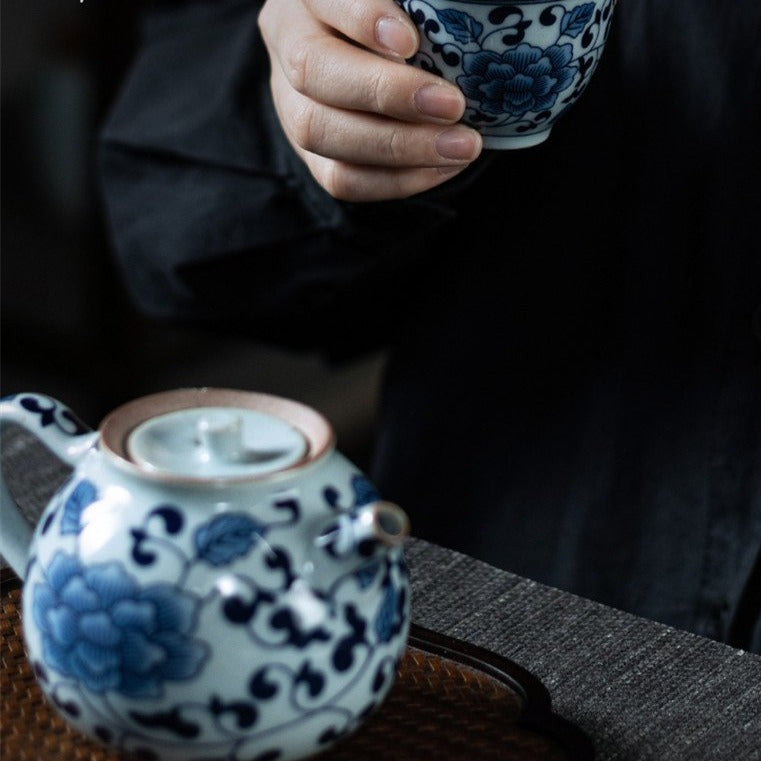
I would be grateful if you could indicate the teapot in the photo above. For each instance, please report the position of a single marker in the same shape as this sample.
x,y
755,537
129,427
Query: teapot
x,y
213,581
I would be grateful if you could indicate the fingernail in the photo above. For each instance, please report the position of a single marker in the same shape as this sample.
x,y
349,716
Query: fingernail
x,y
395,36
439,101
459,144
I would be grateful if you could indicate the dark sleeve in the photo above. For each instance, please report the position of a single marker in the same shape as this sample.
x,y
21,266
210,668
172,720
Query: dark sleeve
x,y
213,218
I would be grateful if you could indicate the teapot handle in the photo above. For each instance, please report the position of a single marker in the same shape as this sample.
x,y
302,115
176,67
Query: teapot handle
x,y
56,426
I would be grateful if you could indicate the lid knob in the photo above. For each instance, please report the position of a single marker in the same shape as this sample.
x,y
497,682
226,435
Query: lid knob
x,y
221,439
216,442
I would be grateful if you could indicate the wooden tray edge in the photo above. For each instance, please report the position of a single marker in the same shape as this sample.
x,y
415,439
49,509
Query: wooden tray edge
x,y
537,714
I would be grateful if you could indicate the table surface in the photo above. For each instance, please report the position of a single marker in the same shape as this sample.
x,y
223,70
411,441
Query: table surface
x,y
640,690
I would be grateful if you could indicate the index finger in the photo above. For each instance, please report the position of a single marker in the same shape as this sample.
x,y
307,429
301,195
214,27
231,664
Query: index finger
x,y
380,25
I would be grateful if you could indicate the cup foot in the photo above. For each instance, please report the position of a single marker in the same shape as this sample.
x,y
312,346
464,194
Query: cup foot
x,y
512,142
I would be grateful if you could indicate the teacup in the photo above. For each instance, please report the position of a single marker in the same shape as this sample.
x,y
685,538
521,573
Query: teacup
x,y
521,65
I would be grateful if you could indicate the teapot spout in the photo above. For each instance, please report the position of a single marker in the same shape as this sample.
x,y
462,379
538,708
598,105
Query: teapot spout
x,y
365,530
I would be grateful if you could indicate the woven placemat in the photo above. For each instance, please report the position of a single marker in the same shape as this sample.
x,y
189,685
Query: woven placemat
x,y
450,702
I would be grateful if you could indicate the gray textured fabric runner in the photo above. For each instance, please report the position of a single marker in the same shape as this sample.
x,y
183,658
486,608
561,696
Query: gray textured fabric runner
x,y
640,690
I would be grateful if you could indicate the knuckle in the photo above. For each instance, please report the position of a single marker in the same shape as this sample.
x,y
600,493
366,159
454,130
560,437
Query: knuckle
x,y
297,65
305,127
262,19
338,181
381,91
395,147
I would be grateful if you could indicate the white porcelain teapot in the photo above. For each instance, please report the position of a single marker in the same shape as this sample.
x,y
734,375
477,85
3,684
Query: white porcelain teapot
x,y
214,580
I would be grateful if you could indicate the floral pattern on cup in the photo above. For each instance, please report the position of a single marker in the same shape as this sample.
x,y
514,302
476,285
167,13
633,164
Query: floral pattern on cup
x,y
520,65
521,80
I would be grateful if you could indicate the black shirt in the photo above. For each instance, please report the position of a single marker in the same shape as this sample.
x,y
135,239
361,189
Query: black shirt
x,y
574,385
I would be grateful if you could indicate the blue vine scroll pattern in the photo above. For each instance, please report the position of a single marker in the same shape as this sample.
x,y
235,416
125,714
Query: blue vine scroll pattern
x,y
126,645
520,66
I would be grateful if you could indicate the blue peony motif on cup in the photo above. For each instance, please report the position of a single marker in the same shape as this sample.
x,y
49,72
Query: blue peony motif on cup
x,y
520,66
101,628
520,80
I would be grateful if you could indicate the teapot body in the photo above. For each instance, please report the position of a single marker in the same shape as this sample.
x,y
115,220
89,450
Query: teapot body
x,y
185,620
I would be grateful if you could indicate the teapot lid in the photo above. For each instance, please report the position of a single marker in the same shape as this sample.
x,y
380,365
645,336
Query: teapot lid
x,y
203,435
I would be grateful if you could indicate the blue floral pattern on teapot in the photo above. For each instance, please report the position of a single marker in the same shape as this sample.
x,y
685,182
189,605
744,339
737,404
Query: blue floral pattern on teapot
x,y
182,620
102,629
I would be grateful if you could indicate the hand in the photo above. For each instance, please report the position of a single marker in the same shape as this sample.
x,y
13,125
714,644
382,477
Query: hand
x,y
368,126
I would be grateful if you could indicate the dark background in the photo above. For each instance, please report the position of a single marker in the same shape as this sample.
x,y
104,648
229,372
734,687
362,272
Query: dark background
x,y
68,329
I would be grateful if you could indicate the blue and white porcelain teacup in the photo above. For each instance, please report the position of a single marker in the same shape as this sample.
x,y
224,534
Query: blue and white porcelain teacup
x,y
214,580
521,65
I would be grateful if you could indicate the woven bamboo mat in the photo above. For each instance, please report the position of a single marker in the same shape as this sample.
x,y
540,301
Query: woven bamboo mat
x,y
441,707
